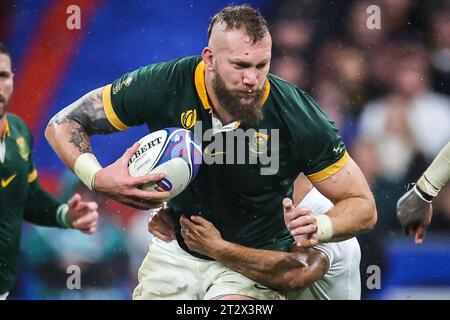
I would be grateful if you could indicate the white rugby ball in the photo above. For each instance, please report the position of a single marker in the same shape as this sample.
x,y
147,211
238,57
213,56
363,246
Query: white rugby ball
x,y
173,151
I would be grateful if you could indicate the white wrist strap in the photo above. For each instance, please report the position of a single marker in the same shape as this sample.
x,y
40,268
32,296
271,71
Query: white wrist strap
x,y
86,166
324,228
62,216
437,174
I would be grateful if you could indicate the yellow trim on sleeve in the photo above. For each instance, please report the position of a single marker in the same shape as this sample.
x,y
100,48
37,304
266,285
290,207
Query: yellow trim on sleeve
x,y
109,110
199,79
32,176
330,170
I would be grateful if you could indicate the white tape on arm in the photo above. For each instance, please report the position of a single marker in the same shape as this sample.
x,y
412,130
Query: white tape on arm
x,y
324,228
437,174
86,166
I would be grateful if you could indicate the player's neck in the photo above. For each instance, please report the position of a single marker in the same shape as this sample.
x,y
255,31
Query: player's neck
x,y
218,110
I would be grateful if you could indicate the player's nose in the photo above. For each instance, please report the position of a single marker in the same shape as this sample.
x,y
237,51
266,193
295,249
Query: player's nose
x,y
250,78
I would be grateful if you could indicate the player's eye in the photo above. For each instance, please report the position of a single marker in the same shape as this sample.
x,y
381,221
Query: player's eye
x,y
240,65
261,65
4,75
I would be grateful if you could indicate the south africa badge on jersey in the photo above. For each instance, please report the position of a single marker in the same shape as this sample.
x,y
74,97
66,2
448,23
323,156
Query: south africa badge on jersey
x,y
188,118
24,149
258,144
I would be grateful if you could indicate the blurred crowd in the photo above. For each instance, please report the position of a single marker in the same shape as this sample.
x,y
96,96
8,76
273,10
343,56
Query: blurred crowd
x,y
387,90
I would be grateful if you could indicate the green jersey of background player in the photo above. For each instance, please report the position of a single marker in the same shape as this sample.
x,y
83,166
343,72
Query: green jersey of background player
x,y
226,88
21,196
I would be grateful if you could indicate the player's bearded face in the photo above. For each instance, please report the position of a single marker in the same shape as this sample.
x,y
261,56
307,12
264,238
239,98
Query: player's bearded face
x,y
6,83
241,105
3,106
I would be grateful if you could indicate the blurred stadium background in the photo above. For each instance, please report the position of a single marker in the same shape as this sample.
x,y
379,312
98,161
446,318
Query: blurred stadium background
x,y
387,90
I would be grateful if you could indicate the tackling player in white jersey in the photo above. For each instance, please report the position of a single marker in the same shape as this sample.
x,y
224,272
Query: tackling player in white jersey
x,y
328,271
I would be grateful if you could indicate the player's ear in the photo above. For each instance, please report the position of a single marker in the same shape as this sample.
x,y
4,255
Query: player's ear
x,y
207,57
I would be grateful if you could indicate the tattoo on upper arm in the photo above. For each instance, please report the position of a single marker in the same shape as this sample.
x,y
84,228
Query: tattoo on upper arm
x,y
87,117
89,113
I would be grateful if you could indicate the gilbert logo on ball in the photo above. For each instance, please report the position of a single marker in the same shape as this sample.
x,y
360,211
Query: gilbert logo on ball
x,y
176,152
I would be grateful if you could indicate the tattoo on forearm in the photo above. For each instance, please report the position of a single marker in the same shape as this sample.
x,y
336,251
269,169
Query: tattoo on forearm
x,y
80,139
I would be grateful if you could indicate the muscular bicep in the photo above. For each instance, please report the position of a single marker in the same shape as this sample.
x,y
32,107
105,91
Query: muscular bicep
x,y
88,112
346,183
354,210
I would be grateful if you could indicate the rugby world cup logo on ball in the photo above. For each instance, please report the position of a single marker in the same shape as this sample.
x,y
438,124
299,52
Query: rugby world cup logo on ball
x,y
176,152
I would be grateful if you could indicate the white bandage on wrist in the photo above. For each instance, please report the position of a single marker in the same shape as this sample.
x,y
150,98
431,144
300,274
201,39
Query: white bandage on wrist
x,y
62,216
419,194
437,174
324,228
86,166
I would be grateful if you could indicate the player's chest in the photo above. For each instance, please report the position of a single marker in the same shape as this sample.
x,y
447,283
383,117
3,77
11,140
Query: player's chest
x,y
14,168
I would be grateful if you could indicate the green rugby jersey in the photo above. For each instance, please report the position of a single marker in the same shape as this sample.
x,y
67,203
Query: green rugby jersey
x,y
21,197
242,203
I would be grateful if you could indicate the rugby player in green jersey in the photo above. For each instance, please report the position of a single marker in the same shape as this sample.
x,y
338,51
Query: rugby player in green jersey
x,y
21,196
227,89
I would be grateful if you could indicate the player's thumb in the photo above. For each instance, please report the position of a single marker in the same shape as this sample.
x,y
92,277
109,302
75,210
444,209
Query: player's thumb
x,y
73,202
287,203
129,153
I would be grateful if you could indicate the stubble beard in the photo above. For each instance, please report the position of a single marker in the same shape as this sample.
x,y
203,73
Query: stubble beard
x,y
247,113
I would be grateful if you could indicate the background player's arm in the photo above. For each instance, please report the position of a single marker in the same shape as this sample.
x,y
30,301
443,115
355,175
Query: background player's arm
x,y
279,270
68,133
414,209
354,208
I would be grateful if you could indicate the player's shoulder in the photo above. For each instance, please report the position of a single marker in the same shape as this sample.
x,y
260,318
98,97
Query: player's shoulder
x,y
179,66
16,123
288,96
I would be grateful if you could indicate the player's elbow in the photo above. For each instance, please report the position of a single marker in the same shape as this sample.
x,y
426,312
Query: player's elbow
x,y
296,283
293,281
370,215
50,131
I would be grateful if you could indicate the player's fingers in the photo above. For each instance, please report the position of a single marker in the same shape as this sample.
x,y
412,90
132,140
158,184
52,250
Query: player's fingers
x,y
411,230
163,236
302,221
187,223
160,230
307,230
92,206
147,196
152,177
420,233
297,212
90,229
314,240
201,221
73,202
86,220
158,224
